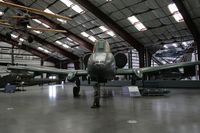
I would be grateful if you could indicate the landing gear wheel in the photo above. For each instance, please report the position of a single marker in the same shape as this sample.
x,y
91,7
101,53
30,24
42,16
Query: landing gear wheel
x,y
76,91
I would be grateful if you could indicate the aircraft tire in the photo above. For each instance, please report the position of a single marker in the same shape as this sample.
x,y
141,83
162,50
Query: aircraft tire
x,y
76,91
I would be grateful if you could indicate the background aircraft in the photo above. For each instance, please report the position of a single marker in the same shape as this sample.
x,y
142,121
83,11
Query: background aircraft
x,y
24,79
102,66
22,21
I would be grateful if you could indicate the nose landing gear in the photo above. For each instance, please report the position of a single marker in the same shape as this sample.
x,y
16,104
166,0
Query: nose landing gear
x,y
96,103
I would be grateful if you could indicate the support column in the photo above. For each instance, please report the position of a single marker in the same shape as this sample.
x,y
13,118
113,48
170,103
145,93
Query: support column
x,y
130,63
42,64
12,56
77,65
141,58
148,57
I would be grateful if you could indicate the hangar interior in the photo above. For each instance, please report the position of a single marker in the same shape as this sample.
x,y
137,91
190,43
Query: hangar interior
x,y
149,33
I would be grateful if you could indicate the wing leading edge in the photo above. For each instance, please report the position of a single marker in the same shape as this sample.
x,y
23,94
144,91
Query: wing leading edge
x,y
47,70
140,71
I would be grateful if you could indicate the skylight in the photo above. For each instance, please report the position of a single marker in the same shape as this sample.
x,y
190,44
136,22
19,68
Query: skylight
x,y
175,44
62,44
178,17
165,46
39,22
40,48
175,13
92,38
14,36
48,11
66,46
59,42
111,33
21,39
184,43
45,50
67,2
77,8
45,25
61,20
138,25
84,34
37,32
103,28
69,39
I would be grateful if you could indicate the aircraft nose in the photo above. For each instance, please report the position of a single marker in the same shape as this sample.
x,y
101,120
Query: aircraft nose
x,y
99,63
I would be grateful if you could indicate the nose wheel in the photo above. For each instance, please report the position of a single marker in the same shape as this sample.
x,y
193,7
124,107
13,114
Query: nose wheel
x,y
76,91
96,103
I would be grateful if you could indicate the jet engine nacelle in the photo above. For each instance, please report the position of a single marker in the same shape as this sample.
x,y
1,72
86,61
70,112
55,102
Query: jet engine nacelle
x,y
120,60
85,59
71,77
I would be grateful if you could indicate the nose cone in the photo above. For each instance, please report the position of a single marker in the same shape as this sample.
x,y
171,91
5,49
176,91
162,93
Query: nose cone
x,y
99,57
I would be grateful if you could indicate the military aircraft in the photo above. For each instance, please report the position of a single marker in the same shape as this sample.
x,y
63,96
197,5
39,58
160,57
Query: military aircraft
x,y
22,21
102,66
23,79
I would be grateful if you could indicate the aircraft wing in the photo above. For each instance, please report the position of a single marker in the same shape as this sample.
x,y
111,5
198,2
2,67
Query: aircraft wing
x,y
47,70
33,10
140,71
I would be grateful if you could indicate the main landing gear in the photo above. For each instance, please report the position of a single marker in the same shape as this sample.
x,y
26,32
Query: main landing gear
x,y
76,88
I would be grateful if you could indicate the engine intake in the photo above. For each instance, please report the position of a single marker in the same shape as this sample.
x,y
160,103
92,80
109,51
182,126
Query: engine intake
x,y
120,60
85,59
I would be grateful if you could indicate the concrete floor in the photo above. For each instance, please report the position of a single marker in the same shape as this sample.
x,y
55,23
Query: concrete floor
x,y
54,110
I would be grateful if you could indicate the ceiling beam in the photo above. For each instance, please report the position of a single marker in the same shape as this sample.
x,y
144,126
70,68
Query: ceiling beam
x,y
53,25
188,20
113,25
29,49
55,47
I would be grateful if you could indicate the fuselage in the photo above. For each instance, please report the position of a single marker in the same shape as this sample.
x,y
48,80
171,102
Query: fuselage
x,y
101,64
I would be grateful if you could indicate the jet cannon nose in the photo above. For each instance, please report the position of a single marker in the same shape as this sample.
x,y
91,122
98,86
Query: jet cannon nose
x,y
99,63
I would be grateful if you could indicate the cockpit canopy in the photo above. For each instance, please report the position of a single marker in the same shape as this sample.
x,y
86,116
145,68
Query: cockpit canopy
x,y
101,46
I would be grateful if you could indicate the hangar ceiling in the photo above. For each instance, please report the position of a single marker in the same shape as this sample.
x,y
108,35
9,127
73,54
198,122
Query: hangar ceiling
x,y
86,27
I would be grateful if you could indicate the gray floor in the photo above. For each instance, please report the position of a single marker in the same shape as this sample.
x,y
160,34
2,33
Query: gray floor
x,y
54,110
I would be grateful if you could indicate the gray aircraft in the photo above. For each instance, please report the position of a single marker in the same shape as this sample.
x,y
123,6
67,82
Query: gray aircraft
x,y
24,79
102,66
